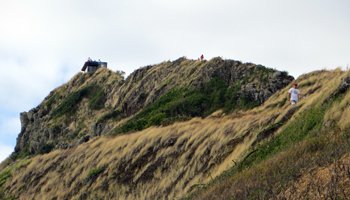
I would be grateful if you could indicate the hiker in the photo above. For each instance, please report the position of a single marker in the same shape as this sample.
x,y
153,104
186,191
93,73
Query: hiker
x,y
202,57
293,94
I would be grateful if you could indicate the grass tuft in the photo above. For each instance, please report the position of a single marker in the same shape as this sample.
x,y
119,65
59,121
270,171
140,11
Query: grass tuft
x,y
94,173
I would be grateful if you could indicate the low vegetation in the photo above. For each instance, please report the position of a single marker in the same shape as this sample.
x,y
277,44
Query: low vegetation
x,y
69,105
106,103
46,148
271,176
52,99
182,104
215,157
308,123
111,115
170,161
271,167
20,155
94,173
97,98
7,173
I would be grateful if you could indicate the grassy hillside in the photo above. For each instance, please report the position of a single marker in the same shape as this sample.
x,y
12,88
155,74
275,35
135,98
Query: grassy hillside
x,y
267,151
307,158
101,103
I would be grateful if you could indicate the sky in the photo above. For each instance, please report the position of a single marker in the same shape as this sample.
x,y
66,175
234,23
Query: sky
x,y
44,43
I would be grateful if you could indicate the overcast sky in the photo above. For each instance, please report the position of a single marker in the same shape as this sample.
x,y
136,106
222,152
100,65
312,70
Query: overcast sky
x,y
43,43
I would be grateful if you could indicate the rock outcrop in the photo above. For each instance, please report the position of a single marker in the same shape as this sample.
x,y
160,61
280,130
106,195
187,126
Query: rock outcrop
x,y
145,85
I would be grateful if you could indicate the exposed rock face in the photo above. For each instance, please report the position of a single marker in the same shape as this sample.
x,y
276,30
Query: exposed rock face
x,y
344,85
74,112
24,120
42,131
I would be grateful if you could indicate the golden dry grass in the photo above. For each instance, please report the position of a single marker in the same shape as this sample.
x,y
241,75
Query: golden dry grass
x,y
327,182
292,174
164,162
159,162
269,178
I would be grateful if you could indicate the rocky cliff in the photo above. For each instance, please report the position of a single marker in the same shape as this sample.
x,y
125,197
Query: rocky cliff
x,y
95,104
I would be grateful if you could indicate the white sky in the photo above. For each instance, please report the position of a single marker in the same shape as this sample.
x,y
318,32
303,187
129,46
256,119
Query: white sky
x,y
44,43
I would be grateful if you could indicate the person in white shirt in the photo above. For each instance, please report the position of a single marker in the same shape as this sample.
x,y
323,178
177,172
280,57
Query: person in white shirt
x,y
294,94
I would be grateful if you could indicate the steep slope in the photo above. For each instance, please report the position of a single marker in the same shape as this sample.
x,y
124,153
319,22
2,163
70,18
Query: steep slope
x,y
273,147
308,156
63,118
90,105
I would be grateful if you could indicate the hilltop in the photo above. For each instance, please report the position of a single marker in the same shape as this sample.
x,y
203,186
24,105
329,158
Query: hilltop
x,y
104,102
216,129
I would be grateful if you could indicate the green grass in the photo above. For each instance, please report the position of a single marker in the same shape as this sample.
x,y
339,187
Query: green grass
x,y
52,100
97,98
6,174
302,144
94,93
306,124
94,173
21,154
185,103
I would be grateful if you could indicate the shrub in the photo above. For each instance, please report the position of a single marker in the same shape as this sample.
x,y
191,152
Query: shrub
x,y
46,148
